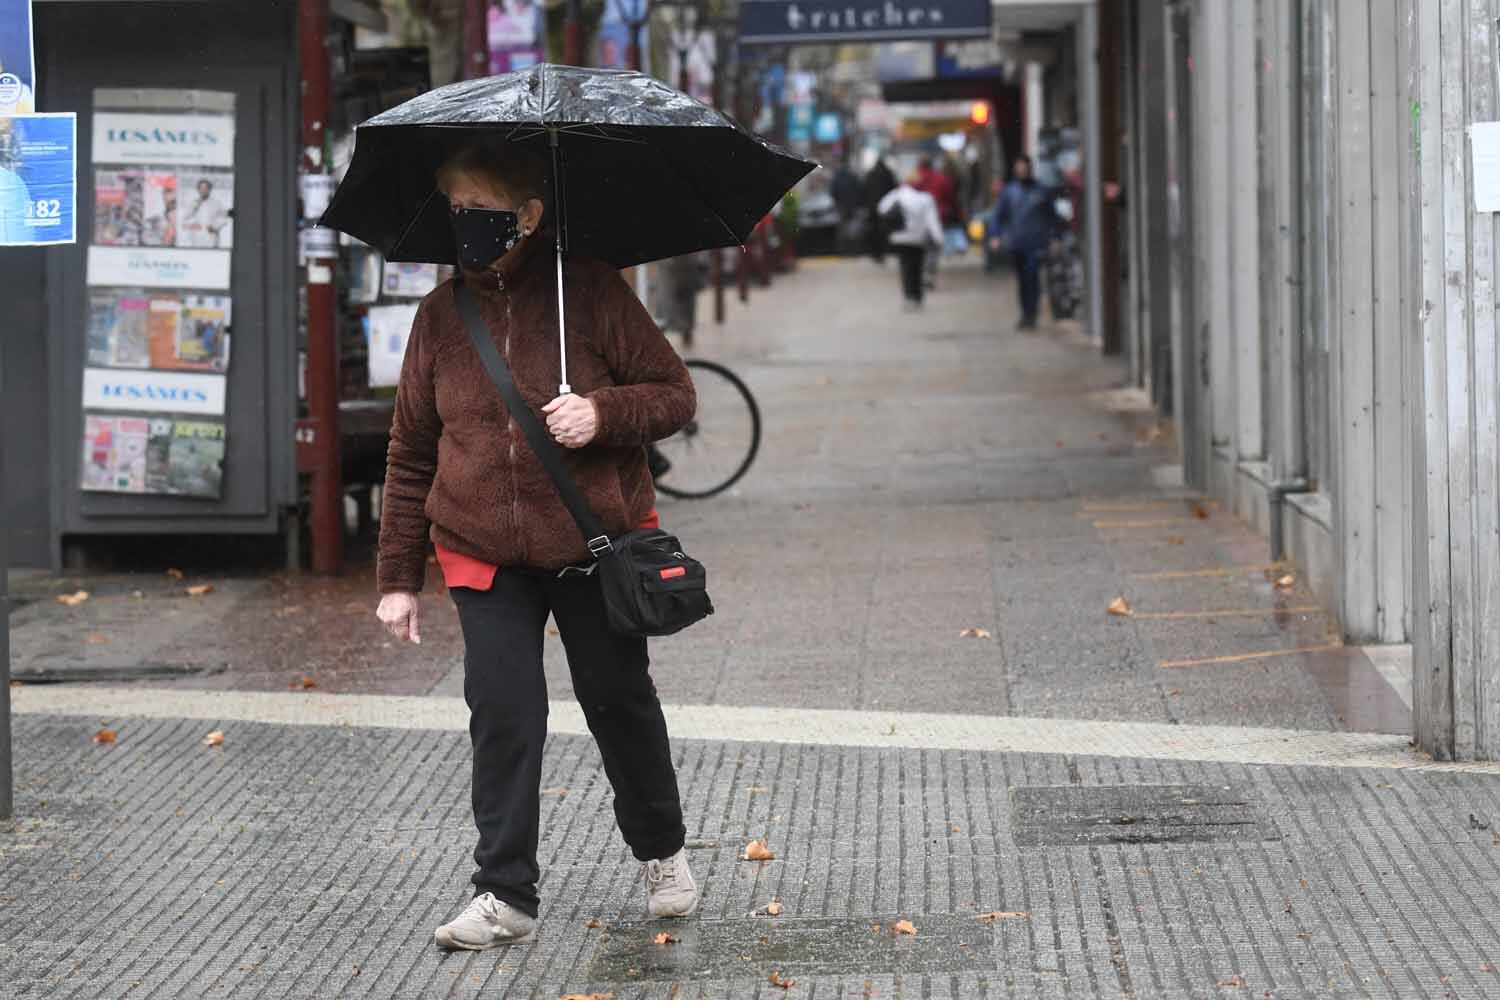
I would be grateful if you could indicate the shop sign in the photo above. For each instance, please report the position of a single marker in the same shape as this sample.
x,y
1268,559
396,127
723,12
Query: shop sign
x,y
158,267
131,137
152,392
817,21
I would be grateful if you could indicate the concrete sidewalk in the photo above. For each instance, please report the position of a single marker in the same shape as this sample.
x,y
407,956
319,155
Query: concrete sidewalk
x,y
314,861
914,689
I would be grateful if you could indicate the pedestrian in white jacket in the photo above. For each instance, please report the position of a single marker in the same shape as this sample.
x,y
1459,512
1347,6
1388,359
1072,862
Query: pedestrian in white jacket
x,y
920,232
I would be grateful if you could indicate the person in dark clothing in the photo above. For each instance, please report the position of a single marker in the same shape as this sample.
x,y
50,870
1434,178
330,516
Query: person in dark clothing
x,y
879,182
458,474
1023,224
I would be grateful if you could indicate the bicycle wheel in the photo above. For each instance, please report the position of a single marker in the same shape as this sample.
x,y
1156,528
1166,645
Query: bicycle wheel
x,y
716,448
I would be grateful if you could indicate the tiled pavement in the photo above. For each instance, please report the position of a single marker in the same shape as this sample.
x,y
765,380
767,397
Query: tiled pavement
x,y
314,861
920,476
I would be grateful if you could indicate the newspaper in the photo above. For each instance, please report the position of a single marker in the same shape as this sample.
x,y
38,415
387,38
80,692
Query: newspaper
x,y
114,453
117,335
119,207
160,213
207,208
202,340
195,464
153,455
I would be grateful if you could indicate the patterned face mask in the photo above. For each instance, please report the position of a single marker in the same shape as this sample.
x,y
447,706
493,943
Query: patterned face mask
x,y
483,235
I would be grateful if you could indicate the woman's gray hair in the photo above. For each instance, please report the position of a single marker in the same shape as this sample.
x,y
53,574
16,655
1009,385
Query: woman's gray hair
x,y
517,171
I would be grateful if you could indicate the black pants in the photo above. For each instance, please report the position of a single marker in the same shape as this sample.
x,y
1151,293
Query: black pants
x,y
911,270
1028,265
507,695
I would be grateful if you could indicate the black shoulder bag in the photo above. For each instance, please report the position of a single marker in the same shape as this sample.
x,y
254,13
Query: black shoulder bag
x,y
650,587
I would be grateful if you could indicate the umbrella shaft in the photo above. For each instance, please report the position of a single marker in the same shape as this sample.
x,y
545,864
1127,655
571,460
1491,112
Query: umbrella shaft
x,y
562,337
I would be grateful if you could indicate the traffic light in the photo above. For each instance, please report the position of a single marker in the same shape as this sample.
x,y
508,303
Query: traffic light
x,y
979,113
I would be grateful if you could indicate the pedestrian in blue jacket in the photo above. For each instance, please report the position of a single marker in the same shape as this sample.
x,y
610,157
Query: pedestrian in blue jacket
x,y
1023,224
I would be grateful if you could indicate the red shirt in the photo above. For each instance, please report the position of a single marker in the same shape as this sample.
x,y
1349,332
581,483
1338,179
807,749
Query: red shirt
x,y
460,570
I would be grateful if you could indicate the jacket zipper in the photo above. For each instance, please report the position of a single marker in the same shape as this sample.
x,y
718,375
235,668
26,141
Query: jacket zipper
x,y
510,437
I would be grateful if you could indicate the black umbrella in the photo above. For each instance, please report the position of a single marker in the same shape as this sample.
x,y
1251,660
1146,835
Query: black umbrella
x,y
646,171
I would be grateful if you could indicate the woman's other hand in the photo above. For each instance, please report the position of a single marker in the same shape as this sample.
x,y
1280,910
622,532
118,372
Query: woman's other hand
x,y
572,420
400,613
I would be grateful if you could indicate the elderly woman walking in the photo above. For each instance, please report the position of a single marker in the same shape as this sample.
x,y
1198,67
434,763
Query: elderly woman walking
x,y
460,472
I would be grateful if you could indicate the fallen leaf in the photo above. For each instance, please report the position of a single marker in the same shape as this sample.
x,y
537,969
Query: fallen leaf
x,y
96,639
1119,606
994,915
957,828
1172,691
306,683
175,573
1286,582
1486,967
199,589
774,908
904,927
214,739
1061,445
587,996
1201,512
1176,540
74,599
757,851
558,791
665,938
1237,982
104,736
784,984
974,633
593,924
757,789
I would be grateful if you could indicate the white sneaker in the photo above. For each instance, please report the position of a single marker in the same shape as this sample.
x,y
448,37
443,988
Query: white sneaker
x,y
485,922
670,889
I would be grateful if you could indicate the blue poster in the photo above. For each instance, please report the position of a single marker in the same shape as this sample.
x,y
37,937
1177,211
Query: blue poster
x,y
17,74
38,179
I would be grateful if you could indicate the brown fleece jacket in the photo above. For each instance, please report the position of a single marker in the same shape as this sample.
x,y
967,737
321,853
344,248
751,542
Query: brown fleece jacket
x,y
460,470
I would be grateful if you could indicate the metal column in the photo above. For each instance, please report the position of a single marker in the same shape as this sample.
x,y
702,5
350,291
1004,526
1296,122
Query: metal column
x,y
1088,100
1110,97
322,332
7,796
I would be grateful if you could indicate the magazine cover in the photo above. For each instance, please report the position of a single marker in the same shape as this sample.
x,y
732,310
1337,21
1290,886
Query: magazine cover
x,y
128,455
365,278
386,330
101,352
203,333
409,280
206,212
165,316
160,224
196,466
98,453
159,455
130,341
119,207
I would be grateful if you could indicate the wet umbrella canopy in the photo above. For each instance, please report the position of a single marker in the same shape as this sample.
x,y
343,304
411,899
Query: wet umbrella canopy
x,y
648,172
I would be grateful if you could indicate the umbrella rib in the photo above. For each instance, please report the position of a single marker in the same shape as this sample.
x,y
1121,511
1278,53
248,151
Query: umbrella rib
x,y
416,216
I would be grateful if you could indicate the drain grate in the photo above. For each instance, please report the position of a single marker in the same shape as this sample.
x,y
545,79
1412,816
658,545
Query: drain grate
x,y
1078,815
729,949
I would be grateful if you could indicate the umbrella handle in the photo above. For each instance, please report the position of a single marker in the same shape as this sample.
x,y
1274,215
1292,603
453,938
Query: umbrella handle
x,y
562,338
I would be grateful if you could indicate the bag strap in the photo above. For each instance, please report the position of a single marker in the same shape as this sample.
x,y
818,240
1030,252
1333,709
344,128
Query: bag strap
x,y
536,435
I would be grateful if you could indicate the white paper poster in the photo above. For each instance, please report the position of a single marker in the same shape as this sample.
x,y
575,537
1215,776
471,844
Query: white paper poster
x,y
407,280
152,392
1484,145
158,267
151,137
386,330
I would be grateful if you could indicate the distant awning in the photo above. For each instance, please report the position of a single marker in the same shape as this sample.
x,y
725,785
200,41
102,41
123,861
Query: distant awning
x,y
784,22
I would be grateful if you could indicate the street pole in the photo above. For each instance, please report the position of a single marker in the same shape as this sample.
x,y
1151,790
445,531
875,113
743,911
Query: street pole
x,y
476,39
716,262
322,343
573,34
635,58
7,796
